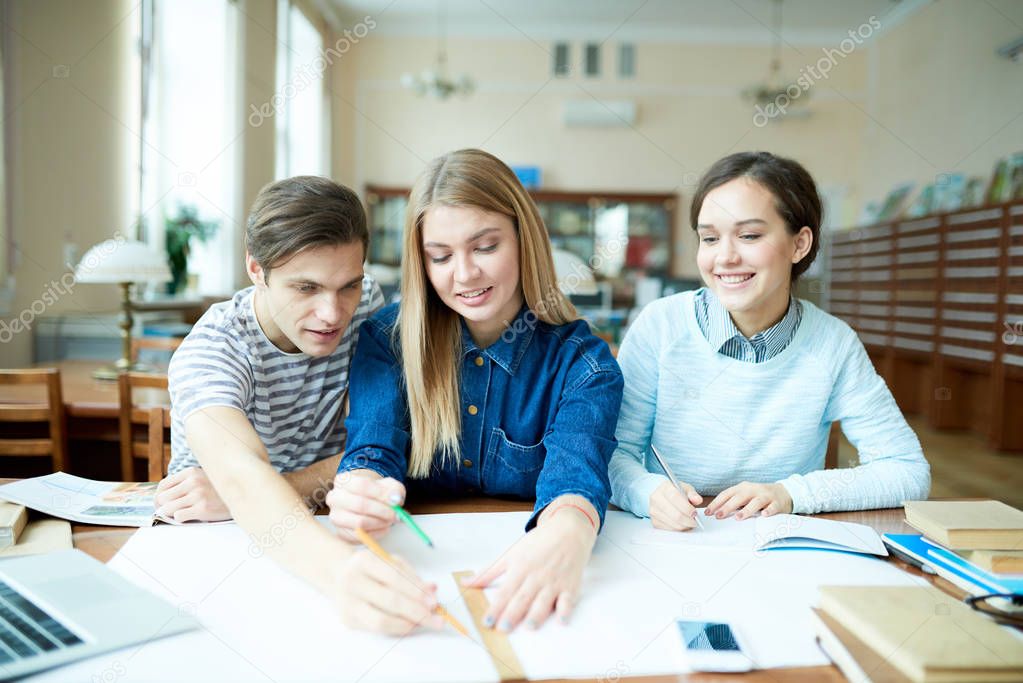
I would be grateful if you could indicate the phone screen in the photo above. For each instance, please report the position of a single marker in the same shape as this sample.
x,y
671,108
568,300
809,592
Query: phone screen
x,y
707,636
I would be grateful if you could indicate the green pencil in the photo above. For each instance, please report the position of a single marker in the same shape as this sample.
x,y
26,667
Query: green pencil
x,y
407,518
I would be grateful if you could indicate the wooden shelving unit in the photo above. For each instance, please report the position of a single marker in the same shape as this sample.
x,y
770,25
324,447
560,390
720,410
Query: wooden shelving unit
x,y
637,229
938,303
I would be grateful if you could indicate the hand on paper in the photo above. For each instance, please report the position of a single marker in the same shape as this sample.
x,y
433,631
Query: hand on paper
x,y
748,499
671,510
387,598
542,571
361,499
189,495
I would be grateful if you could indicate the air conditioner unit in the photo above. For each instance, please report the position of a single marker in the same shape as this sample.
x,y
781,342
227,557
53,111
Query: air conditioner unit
x,y
599,113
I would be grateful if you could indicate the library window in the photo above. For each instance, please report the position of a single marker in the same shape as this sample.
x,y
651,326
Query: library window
x,y
626,60
562,59
190,123
302,139
593,59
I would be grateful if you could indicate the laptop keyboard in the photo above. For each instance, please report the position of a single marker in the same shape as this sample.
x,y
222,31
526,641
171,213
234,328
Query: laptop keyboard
x,y
26,630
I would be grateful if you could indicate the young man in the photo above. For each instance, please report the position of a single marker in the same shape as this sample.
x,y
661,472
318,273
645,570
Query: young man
x,y
257,392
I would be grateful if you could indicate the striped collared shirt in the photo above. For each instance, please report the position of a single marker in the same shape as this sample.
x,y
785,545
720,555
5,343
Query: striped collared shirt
x,y
725,337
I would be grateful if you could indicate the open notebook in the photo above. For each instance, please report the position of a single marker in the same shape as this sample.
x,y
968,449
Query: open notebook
x,y
776,532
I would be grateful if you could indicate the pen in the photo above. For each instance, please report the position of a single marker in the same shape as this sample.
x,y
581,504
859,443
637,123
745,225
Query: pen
x,y
377,550
674,481
908,559
407,518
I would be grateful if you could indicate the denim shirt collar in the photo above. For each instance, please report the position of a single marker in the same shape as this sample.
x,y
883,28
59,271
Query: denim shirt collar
x,y
511,346
721,329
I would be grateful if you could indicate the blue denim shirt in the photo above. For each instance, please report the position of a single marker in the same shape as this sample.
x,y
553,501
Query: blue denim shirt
x,y
539,409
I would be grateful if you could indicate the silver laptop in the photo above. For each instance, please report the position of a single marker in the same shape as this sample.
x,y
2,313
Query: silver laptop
x,y
62,606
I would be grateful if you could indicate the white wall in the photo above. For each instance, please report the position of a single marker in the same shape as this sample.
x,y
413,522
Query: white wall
x,y
943,101
690,114
74,144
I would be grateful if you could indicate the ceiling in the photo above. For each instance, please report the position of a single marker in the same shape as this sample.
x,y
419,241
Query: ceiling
x,y
822,22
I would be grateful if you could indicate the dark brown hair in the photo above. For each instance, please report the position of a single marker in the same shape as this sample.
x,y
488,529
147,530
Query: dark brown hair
x,y
795,194
304,212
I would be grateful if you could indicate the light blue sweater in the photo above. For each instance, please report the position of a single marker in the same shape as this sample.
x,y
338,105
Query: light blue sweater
x,y
719,421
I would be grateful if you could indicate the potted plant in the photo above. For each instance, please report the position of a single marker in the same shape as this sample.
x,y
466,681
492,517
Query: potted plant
x,y
179,231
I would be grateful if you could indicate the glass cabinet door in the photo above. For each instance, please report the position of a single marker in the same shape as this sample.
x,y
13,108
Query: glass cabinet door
x,y
570,225
387,217
632,239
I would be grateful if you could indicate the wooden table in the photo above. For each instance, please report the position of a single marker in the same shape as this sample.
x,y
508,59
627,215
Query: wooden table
x,y
103,542
91,407
84,396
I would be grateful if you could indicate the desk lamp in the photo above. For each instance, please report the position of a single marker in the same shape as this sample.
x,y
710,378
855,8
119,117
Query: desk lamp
x,y
122,263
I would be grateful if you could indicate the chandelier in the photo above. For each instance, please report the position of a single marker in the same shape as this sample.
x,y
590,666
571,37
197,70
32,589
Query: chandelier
x,y
436,82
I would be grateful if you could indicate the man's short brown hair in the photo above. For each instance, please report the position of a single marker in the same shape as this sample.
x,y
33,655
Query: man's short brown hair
x,y
299,213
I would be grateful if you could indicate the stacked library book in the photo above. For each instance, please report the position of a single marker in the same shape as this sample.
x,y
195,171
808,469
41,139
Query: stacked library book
x,y
20,536
887,634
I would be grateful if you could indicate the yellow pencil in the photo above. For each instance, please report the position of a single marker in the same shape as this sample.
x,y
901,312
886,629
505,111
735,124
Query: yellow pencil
x,y
377,550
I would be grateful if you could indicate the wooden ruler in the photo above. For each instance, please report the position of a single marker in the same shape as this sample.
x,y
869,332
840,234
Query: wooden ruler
x,y
496,642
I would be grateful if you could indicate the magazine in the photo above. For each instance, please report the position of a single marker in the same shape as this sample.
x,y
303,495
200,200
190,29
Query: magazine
x,y
109,503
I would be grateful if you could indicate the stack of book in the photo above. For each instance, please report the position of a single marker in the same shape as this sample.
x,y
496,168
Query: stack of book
x,y
12,522
977,545
19,536
894,634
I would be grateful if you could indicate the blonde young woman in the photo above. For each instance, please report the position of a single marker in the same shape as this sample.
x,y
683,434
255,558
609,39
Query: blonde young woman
x,y
483,381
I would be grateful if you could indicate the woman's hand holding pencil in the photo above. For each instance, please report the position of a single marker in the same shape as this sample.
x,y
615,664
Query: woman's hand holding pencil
x,y
672,509
362,499
672,505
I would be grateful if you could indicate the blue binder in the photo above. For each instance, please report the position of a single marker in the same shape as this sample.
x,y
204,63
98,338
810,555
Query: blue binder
x,y
946,562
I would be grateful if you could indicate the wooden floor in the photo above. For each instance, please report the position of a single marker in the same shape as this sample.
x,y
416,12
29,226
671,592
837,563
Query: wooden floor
x,y
962,465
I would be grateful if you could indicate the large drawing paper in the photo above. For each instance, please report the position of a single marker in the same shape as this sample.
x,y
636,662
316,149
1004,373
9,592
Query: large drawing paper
x,y
260,623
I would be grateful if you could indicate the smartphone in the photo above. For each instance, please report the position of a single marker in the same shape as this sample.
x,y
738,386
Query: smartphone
x,y
712,646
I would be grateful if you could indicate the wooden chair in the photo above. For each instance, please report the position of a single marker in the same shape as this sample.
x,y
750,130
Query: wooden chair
x,y
154,446
831,456
154,344
51,412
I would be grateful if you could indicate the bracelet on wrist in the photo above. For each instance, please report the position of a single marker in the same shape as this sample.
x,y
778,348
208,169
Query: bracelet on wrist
x,y
580,508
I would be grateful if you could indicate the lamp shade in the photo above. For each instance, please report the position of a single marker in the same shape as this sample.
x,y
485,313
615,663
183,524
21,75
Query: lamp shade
x,y
574,276
115,261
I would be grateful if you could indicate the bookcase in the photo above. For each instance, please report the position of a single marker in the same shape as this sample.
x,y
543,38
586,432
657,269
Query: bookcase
x,y
938,303
632,233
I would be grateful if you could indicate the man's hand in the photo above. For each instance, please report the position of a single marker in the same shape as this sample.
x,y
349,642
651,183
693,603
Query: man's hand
x,y
189,495
375,595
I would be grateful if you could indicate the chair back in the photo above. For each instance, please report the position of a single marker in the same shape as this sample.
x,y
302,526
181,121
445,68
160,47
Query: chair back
x,y
160,350
831,456
50,411
149,442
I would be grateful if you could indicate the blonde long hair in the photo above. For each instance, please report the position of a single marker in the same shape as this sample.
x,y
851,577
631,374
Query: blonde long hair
x,y
430,332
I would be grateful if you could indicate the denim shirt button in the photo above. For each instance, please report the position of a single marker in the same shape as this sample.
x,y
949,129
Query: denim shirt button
x,y
479,361
467,463
473,410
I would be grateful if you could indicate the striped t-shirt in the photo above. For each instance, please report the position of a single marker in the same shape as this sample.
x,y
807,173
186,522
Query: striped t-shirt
x,y
292,400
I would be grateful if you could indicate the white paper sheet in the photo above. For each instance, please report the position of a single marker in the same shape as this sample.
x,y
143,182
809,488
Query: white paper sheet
x,y
764,533
262,624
